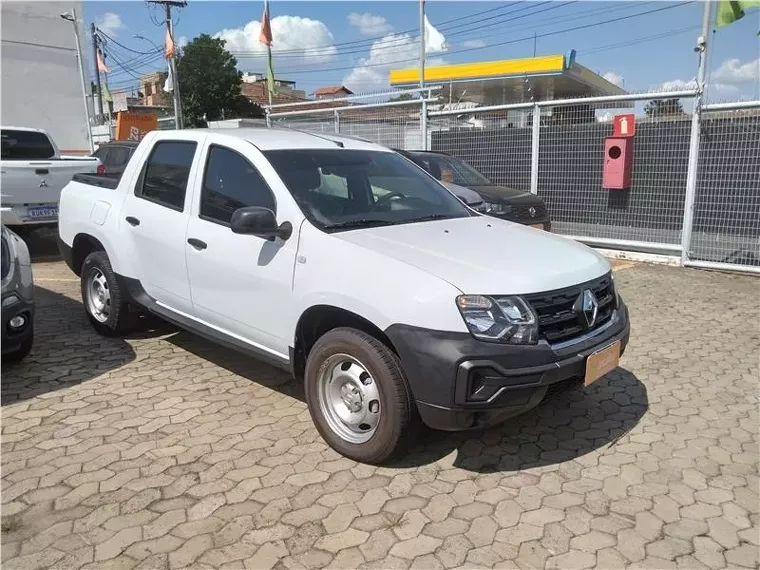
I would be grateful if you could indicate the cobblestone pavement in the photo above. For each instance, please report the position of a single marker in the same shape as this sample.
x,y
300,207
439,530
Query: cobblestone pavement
x,y
164,451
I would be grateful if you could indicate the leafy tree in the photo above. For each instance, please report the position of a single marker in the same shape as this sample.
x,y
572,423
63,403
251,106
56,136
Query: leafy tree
x,y
209,81
247,109
404,97
662,107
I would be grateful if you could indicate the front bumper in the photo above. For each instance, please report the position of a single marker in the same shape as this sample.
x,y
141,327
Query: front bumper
x,y
14,337
461,383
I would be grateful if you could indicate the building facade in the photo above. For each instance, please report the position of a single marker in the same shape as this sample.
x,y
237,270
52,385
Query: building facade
x,y
41,85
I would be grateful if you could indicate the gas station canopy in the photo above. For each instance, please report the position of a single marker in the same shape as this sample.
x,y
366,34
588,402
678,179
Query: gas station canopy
x,y
511,80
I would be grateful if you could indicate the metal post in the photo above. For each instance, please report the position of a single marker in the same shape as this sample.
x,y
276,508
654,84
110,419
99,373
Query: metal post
x,y
536,133
423,108
691,172
175,76
72,17
337,122
97,72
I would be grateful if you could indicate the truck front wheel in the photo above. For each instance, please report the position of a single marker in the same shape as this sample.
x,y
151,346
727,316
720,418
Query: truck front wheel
x,y
358,396
102,297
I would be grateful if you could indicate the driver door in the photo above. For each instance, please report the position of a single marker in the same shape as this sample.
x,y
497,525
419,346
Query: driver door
x,y
240,284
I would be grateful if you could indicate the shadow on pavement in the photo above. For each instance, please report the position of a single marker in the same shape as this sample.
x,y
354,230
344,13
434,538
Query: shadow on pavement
x,y
571,421
66,351
42,242
241,364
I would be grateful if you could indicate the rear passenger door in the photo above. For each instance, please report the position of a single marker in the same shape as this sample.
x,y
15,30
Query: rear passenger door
x,y
154,220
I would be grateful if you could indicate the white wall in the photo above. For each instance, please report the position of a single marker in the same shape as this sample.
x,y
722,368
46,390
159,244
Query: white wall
x,y
40,75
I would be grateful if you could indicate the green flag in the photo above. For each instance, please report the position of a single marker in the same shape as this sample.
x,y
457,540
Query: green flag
x,y
265,37
731,10
107,94
271,86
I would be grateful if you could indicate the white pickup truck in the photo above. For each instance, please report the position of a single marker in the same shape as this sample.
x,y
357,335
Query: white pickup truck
x,y
33,172
351,267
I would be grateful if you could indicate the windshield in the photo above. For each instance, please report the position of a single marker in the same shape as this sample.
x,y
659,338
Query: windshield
x,y
450,169
345,189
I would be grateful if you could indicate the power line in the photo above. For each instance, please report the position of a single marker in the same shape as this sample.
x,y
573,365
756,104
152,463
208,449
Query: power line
x,y
399,37
507,42
527,38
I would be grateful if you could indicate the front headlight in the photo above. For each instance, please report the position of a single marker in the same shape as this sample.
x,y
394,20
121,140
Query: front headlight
x,y
499,319
493,208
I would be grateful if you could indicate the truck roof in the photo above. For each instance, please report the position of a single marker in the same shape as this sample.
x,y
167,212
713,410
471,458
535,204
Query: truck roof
x,y
284,138
28,129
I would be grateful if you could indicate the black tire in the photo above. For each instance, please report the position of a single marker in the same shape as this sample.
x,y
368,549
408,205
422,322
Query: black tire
x,y
23,350
120,320
399,423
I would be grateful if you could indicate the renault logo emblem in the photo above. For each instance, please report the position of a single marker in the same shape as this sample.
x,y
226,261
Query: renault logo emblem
x,y
532,212
586,308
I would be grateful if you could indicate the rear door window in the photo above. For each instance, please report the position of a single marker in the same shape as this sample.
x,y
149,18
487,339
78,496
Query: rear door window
x,y
164,179
26,145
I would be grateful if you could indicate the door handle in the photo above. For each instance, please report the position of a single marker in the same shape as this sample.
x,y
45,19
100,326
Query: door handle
x,y
197,244
132,221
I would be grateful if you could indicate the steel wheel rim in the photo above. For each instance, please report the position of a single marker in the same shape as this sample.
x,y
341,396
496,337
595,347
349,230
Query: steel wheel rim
x,y
349,398
98,295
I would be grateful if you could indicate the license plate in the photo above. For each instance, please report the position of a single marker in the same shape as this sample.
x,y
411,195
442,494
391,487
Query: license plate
x,y
537,226
602,362
43,212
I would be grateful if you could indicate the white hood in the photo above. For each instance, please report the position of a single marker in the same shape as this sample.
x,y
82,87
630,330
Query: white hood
x,y
484,255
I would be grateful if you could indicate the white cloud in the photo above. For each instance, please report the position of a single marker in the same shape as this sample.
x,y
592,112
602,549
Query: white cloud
x,y
734,71
614,78
305,40
182,41
369,24
109,23
394,51
473,44
677,85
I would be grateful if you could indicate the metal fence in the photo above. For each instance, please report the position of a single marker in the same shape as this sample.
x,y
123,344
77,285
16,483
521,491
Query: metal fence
x,y
695,189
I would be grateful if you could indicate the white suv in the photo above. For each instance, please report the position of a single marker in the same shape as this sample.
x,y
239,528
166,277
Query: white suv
x,y
348,265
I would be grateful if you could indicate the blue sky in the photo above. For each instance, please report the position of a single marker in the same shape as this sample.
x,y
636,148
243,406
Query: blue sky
x,y
355,43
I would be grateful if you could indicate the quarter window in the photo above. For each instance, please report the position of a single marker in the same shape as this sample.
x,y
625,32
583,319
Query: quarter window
x,y
167,172
231,182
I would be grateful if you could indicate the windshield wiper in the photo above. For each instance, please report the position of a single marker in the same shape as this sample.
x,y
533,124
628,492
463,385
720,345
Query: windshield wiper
x,y
429,218
364,222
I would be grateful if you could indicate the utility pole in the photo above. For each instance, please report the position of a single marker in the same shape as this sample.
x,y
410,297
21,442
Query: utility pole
x,y
696,123
173,60
423,109
72,17
99,100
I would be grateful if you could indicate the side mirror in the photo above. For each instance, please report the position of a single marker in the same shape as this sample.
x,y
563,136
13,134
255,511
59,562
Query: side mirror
x,y
256,221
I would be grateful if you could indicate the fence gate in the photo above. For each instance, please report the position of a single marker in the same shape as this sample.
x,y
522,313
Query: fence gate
x,y
695,190
394,122
726,226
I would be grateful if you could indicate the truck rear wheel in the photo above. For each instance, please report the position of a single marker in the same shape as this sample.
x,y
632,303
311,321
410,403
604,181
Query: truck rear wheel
x,y
102,297
358,396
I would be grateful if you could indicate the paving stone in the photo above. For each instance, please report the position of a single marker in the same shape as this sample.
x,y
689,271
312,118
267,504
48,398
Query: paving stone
x,y
340,519
119,542
346,539
415,547
167,452
572,560
190,551
592,541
